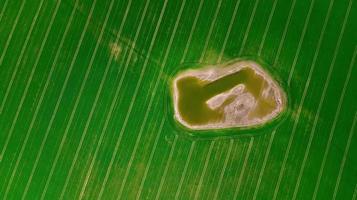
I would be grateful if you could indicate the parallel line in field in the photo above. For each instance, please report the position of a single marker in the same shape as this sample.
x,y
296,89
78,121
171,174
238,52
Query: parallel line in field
x,y
264,165
332,131
220,179
85,182
94,105
214,173
118,141
305,91
59,100
236,191
237,167
153,40
189,40
198,189
162,180
24,143
322,98
302,100
3,9
10,37
301,40
123,129
286,28
229,30
251,18
17,65
8,88
19,59
267,27
148,165
183,175
92,159
346,151
322,33
213,22
255,161
153,94
34,117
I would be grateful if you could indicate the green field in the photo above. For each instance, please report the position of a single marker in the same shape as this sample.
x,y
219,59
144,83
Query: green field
x,y
86,111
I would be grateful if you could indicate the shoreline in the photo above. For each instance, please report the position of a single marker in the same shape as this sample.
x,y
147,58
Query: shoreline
x,y
212,73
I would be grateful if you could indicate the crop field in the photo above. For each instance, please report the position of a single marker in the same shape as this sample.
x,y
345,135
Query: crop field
x,y
86,106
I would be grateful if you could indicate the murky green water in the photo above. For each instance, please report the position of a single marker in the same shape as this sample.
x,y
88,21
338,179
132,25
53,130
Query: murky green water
x,y
194,92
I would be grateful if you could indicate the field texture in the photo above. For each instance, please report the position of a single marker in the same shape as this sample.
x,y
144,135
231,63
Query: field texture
x,y
86,111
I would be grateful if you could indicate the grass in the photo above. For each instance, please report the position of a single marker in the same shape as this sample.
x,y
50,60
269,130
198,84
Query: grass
x,y
86,111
